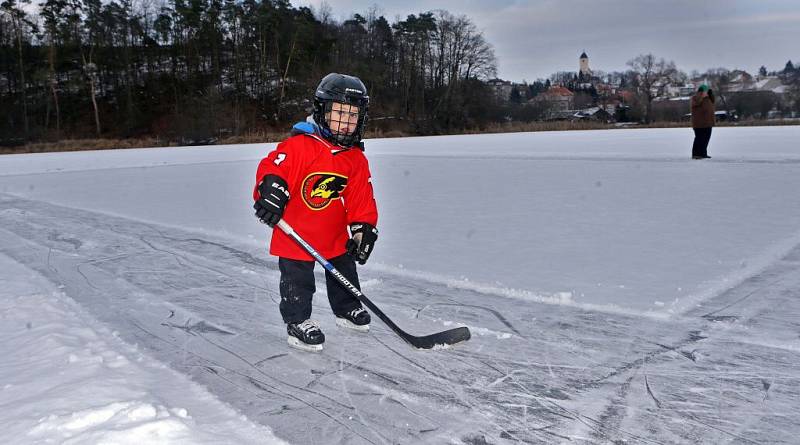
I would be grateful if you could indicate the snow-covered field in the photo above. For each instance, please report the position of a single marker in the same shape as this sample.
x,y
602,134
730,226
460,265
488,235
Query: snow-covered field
x,y
617,292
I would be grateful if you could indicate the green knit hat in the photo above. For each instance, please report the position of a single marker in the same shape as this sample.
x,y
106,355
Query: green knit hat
x,y
703,88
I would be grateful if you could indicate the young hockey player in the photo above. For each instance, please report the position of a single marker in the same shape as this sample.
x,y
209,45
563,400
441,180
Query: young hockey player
x,y
318,180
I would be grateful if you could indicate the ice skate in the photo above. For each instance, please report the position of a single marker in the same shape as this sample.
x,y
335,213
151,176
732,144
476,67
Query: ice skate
x,y
358,320
305,336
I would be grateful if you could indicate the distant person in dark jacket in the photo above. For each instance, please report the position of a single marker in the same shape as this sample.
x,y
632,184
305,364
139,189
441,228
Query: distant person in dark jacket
x,y
702,121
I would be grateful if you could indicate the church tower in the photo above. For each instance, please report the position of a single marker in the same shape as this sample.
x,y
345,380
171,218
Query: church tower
x,y
584,65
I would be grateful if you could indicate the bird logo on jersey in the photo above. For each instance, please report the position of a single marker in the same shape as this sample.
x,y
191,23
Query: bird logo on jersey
x,y
321,187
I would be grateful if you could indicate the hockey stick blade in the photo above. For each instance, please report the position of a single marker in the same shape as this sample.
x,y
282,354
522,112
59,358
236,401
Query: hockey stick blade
x,y
444,338
441,339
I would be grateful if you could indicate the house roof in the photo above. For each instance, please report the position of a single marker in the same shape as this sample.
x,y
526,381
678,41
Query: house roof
x,y
558,91
741,76
497,81
773,84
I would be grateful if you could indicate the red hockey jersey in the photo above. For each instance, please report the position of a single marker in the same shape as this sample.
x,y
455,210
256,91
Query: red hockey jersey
x,y
329,188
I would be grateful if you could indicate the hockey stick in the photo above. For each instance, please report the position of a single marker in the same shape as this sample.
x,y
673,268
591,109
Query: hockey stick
x,y
448,337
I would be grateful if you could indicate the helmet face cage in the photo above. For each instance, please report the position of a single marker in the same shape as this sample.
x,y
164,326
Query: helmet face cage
x,y
332,127
348,91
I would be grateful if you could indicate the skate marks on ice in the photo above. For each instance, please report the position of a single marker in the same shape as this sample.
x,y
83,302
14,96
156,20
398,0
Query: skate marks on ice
x,y
731,378
533,373
209,310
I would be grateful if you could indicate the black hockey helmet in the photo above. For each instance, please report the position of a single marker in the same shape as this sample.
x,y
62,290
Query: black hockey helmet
x,y
344,89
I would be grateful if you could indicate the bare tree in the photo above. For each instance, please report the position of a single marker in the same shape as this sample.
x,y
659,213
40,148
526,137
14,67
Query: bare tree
x,y
51,12
92,9
324,13
460,53
720,80
480,59
652,77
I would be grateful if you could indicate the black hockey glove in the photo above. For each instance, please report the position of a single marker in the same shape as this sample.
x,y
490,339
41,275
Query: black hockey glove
x,y
362,241
274,194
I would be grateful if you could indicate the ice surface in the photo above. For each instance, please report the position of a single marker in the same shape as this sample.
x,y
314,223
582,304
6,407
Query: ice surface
x,y
617,291
617,219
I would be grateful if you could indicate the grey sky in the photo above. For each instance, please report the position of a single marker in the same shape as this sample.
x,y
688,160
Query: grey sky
x,y
534,38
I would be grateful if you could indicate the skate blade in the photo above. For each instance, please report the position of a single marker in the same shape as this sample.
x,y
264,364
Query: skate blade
x,y
345,323
297,344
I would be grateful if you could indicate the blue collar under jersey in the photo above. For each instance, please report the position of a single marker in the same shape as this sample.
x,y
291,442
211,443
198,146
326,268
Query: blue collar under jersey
x,y
310,128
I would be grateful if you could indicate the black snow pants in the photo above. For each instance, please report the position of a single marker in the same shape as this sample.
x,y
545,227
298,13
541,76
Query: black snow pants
x,y
298,286
700,145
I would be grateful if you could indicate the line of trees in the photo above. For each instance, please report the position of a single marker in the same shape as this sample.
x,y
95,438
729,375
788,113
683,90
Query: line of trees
x,y
196,69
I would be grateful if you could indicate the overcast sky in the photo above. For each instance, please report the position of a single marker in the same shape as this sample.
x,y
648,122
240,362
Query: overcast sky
x,y
534,38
